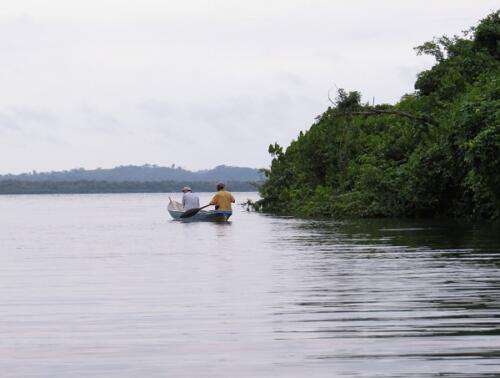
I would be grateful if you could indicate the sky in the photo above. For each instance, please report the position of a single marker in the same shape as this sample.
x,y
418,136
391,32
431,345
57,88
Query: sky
x,y
103,83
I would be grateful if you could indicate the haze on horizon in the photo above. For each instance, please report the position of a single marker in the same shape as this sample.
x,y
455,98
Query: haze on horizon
x,y
196,83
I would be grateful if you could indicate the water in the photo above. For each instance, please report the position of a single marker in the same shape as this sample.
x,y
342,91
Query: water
x,y
109,286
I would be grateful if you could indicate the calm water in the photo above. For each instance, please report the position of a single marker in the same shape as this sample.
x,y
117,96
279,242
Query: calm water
x,y
109,286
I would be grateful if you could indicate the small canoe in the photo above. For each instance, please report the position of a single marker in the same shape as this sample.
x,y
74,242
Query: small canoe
x,y
176,209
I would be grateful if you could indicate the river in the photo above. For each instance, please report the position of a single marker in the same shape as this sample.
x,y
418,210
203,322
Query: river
x,y
110,286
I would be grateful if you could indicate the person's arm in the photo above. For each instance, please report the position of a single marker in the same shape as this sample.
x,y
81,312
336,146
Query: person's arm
x,y
183,200
214,200
232,199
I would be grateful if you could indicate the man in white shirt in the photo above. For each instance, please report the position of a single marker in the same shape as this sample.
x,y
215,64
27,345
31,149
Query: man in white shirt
x,y
189,199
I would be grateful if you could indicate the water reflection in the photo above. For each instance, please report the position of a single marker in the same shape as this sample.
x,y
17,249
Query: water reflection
x,y
109,286
398,291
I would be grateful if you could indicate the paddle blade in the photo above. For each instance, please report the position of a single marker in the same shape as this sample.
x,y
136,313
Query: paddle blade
x,y
190,212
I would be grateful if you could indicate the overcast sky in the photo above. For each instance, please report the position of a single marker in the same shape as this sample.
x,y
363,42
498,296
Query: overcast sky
x,y
197,83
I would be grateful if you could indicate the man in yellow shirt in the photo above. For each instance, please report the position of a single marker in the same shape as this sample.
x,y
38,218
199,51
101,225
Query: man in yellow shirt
x,y
223,200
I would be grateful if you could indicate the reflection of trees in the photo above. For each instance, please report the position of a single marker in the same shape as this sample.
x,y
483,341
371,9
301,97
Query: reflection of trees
x,y
436,234
393,279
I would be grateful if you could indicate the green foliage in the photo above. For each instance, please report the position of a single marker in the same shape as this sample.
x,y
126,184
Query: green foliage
x,y
487,34
392,160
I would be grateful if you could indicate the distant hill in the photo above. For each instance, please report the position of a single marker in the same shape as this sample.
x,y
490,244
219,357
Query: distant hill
x,y
144,173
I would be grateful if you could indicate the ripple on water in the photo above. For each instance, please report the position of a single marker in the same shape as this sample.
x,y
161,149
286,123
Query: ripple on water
x,y
107,285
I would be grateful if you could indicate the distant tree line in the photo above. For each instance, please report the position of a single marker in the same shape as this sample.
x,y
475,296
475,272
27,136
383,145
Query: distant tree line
x,y
144,173
94,186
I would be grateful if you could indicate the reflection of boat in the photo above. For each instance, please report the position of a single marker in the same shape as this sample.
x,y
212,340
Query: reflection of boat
x,y
175,210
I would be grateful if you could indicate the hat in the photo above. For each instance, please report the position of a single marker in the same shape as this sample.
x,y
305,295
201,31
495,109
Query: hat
x,y
186,189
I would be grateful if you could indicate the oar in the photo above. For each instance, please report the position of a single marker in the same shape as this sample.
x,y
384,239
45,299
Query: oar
x,y
191,212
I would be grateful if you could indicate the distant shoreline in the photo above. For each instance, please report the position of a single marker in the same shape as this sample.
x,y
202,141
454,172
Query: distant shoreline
x,y
143,173
19,187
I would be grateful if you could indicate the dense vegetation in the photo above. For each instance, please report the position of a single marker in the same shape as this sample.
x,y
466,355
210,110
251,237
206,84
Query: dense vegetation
x,y
434,153
89,186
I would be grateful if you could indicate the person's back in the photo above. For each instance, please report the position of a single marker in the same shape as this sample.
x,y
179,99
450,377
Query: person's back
x,y
189,199
222,199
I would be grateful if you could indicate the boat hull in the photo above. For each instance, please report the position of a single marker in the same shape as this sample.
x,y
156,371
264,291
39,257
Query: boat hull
x,y
175,210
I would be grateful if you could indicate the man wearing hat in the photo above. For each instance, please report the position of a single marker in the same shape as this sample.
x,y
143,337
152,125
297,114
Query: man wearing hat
x,y
189,199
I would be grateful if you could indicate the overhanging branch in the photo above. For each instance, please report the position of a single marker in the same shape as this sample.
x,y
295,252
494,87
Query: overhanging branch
x,y
416,117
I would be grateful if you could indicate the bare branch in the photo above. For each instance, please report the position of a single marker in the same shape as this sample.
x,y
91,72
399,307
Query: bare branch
x,y
329,98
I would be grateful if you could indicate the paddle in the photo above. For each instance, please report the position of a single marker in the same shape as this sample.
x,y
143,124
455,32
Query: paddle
x,y
191,212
